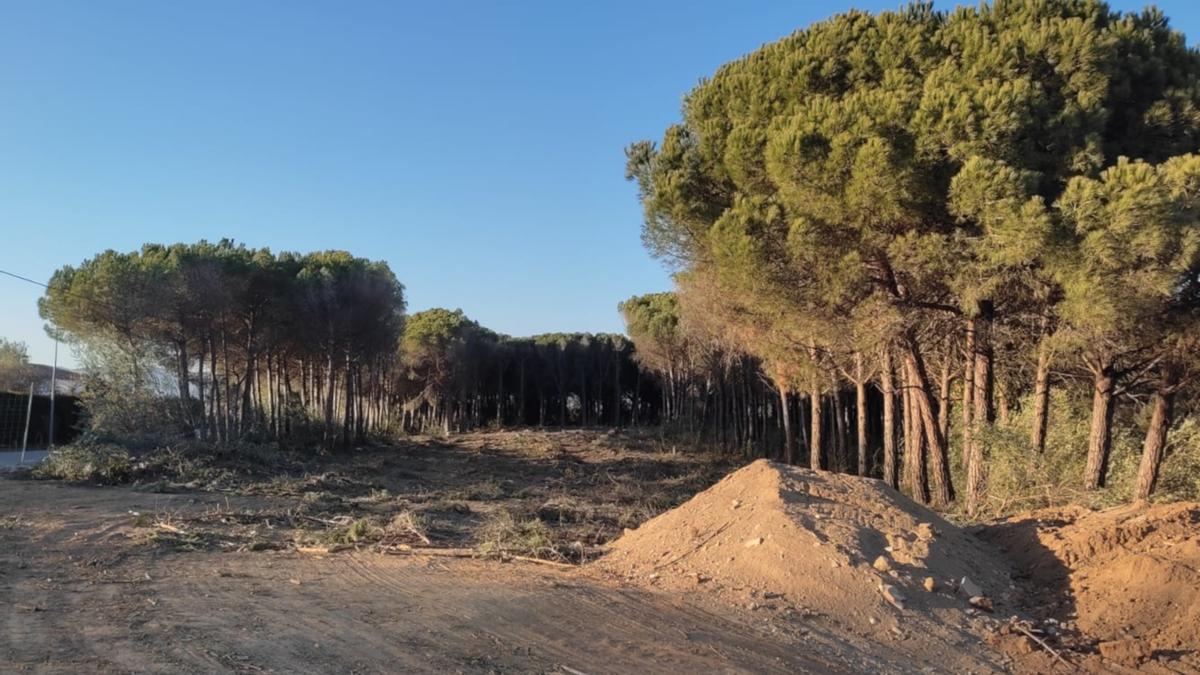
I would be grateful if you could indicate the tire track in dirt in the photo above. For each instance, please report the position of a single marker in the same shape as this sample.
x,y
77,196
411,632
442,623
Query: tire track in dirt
x,y
569,621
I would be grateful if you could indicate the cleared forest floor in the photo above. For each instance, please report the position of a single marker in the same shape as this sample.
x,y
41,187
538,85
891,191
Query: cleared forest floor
x,y
317,565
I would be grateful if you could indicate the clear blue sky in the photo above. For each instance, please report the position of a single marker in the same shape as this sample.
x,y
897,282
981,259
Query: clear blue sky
x,y
476,147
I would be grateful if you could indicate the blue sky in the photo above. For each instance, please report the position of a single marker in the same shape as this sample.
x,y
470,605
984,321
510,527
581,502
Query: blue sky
x,y
476,147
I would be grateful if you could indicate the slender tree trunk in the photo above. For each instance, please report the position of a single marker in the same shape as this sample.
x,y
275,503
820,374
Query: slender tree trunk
x,y
914,460
216,389
802,424
637,397
1156,434
980,415
521,419
329,393
944,399
1041,400
1002,408
888,386
860,412
616,414
839,432
789,433
816,412
500,399
940,482
204,435
1100,436
968,392
985,381
229,386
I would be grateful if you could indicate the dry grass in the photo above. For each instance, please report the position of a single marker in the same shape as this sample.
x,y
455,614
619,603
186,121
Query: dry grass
x,y
506,533
549,495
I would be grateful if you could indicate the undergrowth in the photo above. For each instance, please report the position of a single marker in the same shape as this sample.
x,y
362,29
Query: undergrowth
x,y
506,533
1018,478
99,463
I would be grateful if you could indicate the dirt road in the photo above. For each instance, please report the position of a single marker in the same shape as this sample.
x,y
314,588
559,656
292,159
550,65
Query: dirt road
x,y
79,595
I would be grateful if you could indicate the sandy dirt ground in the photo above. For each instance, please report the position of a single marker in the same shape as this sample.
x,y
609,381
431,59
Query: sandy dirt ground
x,y
80,595
96,579
268,562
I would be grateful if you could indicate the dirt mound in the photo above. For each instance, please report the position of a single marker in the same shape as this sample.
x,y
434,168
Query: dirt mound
x,y
1122,576
851,549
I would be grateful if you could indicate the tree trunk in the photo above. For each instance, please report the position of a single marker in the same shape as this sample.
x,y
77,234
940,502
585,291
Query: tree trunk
x,y
889,419
914,460
201,390
789,433
327,437
985,384
1156,434
944,399
1002,409
814,434
1041,400
840,432
1100,436
185,388
500,398
940,481
982,413
968,392
860,400
348,413
637,397
616,414
521,420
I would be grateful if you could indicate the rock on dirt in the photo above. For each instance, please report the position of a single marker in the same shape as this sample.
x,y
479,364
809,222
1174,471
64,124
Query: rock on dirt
x,y
969,588
892,595
1127,652
981,602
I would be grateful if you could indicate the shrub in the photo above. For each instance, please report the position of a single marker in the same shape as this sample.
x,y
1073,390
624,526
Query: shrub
x,y
87,462
1019,479
1179,479
503,533
122,401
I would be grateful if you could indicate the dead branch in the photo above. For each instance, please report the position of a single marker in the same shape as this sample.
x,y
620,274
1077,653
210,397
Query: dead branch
x,y
539,561
170,528
1042,643
443,552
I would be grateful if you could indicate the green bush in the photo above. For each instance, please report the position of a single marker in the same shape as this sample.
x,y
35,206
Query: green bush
x,y
122,400
1020,479
87,462
1179,479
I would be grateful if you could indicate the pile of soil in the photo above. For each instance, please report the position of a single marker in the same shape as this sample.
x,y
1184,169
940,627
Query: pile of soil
x,y
834,545
1126,580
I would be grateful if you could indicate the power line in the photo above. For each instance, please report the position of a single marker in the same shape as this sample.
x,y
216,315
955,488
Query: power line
x,y
25,279
66,290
